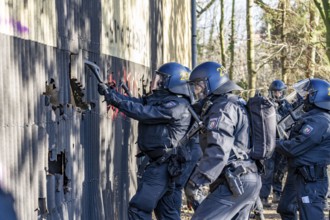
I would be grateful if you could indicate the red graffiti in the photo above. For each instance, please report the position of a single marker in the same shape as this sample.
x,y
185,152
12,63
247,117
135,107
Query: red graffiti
x,y
128,78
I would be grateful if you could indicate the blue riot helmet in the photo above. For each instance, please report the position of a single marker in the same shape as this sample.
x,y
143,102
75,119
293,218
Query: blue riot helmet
x,y
277,90
172,76
210,78
315,92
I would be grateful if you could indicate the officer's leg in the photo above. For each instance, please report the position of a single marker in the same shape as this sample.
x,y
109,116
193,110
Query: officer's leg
x,y
172,201
167,208
267,180
280,167
258,209
221,204
311,198
287,206
152,187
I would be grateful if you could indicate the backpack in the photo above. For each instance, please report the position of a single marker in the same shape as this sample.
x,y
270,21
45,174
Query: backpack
x,y
263,123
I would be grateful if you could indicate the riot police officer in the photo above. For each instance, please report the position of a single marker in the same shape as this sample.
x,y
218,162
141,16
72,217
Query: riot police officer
x,y
277,91
163,120
7,206
275,167
225,143
308,153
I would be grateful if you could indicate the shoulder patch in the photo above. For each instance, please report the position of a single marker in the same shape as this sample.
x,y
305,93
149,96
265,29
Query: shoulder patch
x,y
307,129
170,104
213,123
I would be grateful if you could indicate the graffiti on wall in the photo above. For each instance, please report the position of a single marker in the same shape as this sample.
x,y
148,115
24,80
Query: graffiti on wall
x,y
125,36
9,25
132,80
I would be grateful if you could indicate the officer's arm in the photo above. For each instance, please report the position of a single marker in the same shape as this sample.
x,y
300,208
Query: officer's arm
x,y
151,114
128,98
220,139
309,136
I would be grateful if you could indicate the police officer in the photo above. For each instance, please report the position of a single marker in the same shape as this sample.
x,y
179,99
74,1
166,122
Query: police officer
x,y
308,153
7,206
163,120
275,167
225,143
277,91
181,181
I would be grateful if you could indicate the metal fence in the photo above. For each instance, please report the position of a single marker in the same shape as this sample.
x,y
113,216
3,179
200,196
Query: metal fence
x,y
64,154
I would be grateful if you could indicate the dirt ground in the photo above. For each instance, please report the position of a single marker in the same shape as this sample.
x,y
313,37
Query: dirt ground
x,y
270,213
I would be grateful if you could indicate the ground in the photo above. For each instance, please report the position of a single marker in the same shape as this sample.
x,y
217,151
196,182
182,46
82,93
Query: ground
x,y
270,213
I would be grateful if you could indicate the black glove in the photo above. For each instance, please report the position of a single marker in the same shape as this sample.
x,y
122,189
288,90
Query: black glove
x,y
110,94
112,99
194,194
103,88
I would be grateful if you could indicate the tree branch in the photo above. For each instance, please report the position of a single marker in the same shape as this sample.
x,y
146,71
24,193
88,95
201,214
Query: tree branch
x,y
266,7
319,7
199,13
264,60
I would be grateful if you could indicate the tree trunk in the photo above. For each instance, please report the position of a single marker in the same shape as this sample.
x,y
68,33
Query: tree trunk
x,y
250,49
221,35
283,7
324,10
232,41
311,50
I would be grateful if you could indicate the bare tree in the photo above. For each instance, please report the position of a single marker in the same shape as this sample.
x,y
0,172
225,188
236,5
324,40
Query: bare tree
x,y
323,7
283,6
232,40
312,38
221,35
202,10
250,49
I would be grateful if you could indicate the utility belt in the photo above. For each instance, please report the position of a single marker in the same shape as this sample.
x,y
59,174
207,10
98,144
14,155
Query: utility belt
x,y
160,155
155,154
312,173
231,176
175,157
149,157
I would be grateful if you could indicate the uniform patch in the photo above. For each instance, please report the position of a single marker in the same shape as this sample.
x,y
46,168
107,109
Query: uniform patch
x,y
305,199
307,129
170,104
213,123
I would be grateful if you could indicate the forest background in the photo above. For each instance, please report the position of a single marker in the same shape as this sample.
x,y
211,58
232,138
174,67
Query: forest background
x,y
260,41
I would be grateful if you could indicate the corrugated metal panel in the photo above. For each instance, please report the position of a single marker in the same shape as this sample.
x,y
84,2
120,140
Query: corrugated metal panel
x,y
62,159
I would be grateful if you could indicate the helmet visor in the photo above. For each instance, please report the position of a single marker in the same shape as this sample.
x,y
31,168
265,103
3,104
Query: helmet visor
x,y
277,94
159,81
302,87
198,89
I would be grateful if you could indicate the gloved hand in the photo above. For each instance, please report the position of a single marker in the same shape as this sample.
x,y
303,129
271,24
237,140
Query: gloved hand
x,y
103,88
112,99
194,194
109,94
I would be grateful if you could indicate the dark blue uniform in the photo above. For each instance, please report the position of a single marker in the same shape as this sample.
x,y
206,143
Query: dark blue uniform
x,y
163,120
308,153
227,132
179,182
7,211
